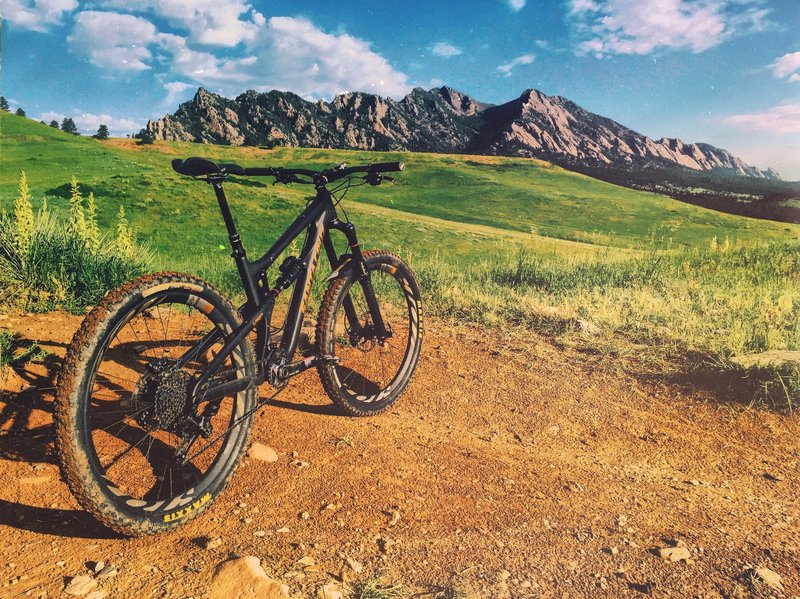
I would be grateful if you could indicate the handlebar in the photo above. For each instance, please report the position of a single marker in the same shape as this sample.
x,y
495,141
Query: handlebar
x,y
198,167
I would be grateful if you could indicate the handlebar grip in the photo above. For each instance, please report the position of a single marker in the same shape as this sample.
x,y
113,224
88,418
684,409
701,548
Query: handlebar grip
x,y
387,167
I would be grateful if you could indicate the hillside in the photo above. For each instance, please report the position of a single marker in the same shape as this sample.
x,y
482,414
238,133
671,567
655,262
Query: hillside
x,y
443,120
514,202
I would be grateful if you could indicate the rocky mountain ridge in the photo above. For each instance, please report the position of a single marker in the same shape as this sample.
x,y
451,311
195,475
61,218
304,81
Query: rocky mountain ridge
x,y
438,120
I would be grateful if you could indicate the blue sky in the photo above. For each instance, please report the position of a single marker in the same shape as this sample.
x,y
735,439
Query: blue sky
x,y
726,72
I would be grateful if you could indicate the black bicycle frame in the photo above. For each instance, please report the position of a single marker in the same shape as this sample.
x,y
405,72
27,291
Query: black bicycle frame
x,y
318,219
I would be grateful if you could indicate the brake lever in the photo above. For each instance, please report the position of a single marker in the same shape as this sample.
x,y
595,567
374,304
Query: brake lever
x,y
286,179
377,179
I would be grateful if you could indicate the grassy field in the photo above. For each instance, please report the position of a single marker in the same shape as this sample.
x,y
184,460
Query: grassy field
x,y
500,241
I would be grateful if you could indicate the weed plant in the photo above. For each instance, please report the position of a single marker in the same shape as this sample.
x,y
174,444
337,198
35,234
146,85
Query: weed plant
x,y
47,264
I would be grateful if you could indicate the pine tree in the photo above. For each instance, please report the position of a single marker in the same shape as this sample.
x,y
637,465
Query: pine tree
x,y
20,112
77,220
23,215
68,126
3,104
102,132
124,234
54,124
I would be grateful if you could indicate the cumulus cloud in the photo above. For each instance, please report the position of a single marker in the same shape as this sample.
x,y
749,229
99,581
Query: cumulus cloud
x,y
519,60
294,54
783,119
288,53
88,123
644,26
112,40
517,5
175,91
37,15
225,23
787,67
445,50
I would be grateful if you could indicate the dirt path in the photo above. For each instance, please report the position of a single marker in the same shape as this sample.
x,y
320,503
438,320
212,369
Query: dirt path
x,y
516,470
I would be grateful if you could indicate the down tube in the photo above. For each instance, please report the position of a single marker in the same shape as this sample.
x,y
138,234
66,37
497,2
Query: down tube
x,y
302,288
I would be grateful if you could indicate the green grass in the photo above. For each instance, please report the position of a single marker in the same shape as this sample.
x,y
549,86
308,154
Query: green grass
x,y
14,352
499,241
462,207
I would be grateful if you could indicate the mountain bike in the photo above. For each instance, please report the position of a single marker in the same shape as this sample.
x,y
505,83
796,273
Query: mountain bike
x,y
156,398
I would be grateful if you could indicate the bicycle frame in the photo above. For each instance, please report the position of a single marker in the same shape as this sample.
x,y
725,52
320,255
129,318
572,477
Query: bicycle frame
x,y
318,219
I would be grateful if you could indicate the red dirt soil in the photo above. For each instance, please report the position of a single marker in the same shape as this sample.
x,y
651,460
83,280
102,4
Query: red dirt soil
x,y
516,470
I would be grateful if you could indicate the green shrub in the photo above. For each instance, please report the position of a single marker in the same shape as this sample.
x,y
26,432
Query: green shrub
x,y
61,266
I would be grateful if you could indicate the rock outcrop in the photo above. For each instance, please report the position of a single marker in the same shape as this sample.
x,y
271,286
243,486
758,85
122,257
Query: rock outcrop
x,y
437,120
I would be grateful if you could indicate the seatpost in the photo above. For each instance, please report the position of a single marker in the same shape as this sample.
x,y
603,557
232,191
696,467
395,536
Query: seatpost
x,y
238,252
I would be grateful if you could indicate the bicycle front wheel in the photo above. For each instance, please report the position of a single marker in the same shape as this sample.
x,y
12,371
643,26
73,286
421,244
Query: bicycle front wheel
x,y
127,429
362,373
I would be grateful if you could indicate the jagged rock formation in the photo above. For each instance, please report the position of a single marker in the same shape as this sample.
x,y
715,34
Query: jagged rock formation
x,y
437,120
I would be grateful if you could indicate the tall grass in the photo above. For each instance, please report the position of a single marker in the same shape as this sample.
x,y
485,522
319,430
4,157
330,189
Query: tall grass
x,y
694,306
62,265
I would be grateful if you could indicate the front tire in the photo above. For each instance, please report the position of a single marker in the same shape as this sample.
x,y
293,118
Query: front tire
x,y
364,376
122,404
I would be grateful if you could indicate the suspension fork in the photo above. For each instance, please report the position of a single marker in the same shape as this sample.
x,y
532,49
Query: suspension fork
x,y
363,275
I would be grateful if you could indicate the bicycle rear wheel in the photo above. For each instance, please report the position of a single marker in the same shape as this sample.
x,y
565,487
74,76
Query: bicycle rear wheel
x,y
123,409
370,374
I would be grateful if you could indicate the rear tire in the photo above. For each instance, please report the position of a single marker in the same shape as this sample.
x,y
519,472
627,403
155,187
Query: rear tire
x,y
121,401
371,375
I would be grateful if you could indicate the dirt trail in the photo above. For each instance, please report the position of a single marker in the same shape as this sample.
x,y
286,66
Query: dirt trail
x,y
516,469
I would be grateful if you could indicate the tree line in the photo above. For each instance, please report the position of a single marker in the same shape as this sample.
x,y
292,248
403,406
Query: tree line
x,y
67,124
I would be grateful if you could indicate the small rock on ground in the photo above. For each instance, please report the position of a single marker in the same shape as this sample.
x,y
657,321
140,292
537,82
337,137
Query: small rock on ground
x,y
330,591
244,578
262,453
769,577
675,554
80,586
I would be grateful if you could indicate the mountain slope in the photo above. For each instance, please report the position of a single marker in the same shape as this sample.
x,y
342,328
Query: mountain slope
x,y
557,129
439,120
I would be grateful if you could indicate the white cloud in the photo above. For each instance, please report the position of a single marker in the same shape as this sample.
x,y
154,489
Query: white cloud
x,y
88,123
225,23
519,60
293,54
112,40
787,66
516,5
783,119
175,91
445,50
288,53
37,15
203,67
644,26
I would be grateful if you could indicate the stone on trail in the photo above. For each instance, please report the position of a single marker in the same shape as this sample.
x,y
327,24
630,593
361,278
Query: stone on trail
x,y
772,579
262,453
80,586
675,554
330,591
244,578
